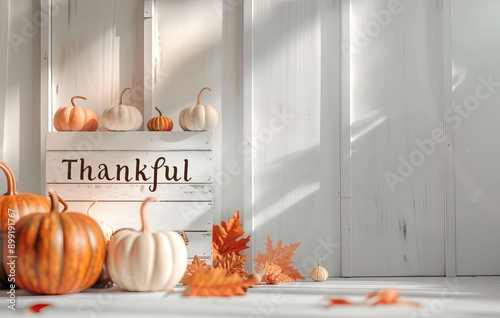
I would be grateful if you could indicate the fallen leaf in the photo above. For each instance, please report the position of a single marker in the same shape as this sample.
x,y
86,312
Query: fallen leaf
x,y
195,266
389,296
340,301
37,308
281,256
216,283
232,263
227,238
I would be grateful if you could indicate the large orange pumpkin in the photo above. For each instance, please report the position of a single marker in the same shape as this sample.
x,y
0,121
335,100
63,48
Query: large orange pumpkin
x,y
75,118
20,204
58,253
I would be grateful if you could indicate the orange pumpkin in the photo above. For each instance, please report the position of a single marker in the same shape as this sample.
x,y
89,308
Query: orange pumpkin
x,y
160,123
59,253
75,118
13,206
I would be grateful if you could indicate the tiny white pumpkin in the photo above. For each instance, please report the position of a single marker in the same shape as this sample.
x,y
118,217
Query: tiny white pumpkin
x,y
319,273
107,228
199,117
104,281
146,260
122,117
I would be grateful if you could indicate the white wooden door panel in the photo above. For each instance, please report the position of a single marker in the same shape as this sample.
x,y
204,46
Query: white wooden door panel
x,y
295,128
397,161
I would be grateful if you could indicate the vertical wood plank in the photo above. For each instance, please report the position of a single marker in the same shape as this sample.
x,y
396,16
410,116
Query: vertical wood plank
x,y
290,188
248,125
396,113
345,143
473,116
449,145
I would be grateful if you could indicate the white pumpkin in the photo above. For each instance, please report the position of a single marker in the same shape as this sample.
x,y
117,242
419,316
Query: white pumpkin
x,y
146,260
122,117
104,281
199,117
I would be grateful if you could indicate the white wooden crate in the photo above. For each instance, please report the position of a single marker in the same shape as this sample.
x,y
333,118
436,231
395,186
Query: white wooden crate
x,y
121,169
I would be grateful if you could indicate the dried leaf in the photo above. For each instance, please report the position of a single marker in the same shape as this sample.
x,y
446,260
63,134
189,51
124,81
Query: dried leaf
x,y
281,256
216,283
227,238
232,263
195,266
389,296
339,301
37,308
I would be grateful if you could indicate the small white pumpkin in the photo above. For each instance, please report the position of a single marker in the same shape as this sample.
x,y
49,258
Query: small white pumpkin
x,y
104,281
199,117
107,228
146,260
122,117
319,273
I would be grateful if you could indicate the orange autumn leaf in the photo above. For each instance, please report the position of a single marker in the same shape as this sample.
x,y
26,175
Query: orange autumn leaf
x,y
216,283
37,308
389,296
195,266
281,256
232,263
227,238
340,301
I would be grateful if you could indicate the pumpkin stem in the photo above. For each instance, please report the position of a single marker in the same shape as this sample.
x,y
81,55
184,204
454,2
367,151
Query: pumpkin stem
x,y
54,201
11,179
319,261
144,219
90,207
199,94
75,97
123,92
65,205
159,111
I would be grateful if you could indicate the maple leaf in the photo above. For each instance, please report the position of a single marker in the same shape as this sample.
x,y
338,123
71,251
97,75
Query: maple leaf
x,y
281,256
227,238
215,282
195,266
233,263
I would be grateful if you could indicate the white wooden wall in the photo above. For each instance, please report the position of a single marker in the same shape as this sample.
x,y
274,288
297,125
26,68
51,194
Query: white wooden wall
x,y
97,51
306,125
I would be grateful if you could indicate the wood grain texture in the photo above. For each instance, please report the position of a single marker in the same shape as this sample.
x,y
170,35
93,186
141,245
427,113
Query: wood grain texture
x,y
294,141
189,216
397,169
474,120
137,140
134,192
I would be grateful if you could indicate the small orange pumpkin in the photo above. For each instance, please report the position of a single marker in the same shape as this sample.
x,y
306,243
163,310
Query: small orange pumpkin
x,y
160,123
13,206
75,118
59,253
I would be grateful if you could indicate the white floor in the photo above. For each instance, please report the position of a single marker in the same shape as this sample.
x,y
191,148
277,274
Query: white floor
x,y
438,296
